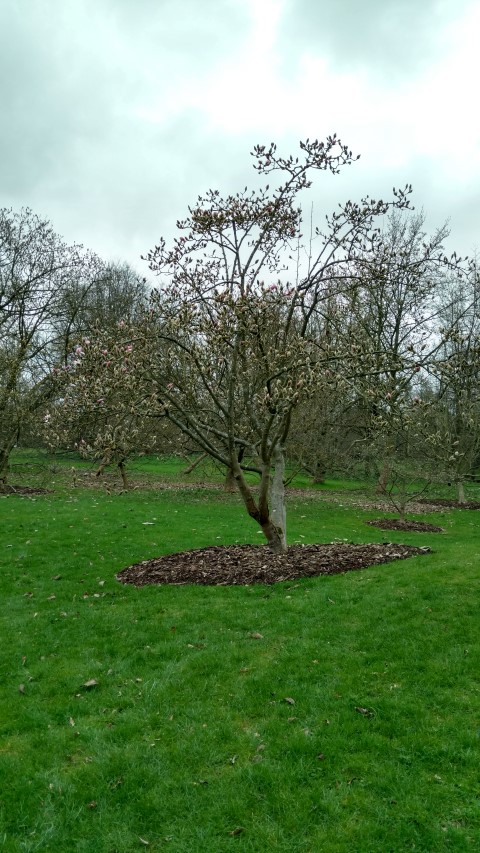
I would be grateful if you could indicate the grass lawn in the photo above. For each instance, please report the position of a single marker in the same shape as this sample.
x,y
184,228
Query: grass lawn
x,y
351,726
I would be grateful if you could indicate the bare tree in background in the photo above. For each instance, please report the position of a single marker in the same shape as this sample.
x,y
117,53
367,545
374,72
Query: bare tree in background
x,y
38,273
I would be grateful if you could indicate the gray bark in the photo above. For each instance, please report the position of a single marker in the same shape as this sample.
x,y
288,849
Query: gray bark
x,y
5,452
277,497
259,511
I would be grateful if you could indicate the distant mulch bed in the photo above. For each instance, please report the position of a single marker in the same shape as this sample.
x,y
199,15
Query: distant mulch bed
x,y
250,564
7,489
398,524
450,504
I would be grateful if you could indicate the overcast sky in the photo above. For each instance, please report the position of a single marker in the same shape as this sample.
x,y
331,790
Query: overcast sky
x,y
116,114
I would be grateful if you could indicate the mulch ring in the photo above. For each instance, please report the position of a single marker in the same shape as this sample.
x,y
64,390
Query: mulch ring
x,y
6,489
450,504
398,524
248,564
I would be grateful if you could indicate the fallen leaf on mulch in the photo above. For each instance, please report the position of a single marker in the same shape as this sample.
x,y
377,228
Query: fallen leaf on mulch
x,y
249,564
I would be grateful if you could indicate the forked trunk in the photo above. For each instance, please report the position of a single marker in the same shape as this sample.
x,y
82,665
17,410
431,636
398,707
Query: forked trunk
x,y
259,511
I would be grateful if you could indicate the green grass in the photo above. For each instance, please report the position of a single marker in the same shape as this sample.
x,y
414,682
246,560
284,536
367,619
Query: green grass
x,y
187,736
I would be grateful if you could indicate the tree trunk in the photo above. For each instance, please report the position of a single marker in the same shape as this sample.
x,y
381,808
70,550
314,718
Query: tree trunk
x,y
275,538
259,512
277,496
123,473
103,464
461,492
5,452
230,484
194,464
4,456
319,473
383,478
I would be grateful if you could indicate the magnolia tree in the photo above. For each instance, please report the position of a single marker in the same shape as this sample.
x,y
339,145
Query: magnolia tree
x,y
239,332
454,436
324,433
42,282
95,411
396,309
99,432
400,436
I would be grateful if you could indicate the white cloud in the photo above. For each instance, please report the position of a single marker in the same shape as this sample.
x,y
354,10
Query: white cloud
x,y
121,112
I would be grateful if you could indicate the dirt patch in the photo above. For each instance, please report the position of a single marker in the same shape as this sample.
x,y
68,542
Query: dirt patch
x,y
249,564
450,504
398,524
6,489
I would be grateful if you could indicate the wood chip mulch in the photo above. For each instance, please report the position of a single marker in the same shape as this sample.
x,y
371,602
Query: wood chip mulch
x,y
249,564
450,504
6,489
398,524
